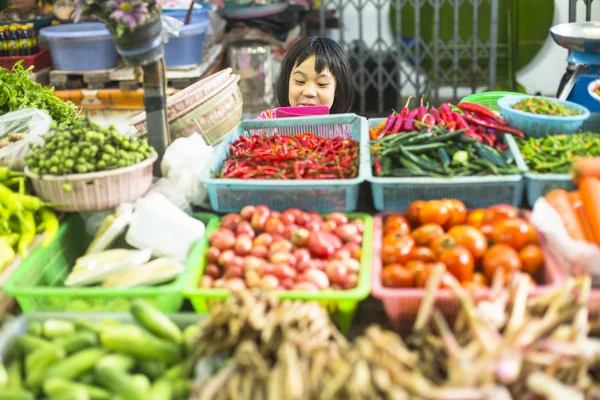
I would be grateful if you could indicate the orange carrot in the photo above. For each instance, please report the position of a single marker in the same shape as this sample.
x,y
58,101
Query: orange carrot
x,y
577,204
373,133
559,200
590,195
585,167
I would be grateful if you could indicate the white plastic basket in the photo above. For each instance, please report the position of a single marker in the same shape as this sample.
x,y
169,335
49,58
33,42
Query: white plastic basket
x,y
97,190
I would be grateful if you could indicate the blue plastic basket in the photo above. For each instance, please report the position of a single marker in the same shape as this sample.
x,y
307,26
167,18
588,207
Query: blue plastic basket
x,y
327,195
541,125
395,194
81,47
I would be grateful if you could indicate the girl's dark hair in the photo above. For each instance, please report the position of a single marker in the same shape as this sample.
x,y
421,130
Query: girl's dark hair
x,y
329,55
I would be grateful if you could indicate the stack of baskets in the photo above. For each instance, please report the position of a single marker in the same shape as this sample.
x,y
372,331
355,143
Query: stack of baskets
x,y
211,107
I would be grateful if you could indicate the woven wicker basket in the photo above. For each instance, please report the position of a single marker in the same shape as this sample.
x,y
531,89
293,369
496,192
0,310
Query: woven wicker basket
x,y
211,107
97,190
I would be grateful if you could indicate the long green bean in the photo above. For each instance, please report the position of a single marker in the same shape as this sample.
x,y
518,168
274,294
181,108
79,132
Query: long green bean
x,y
554,154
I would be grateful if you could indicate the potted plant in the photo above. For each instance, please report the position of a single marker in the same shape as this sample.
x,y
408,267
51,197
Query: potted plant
x,y
135,25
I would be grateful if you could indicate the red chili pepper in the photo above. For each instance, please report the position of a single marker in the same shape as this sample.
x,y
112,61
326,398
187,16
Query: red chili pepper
x,y
397,125
422,110
502,146
436,114
389,124
481,111
446,113
378,169
406,109
500,128
409,124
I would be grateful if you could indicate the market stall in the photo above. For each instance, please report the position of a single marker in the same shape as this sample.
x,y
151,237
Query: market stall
x,y
202,257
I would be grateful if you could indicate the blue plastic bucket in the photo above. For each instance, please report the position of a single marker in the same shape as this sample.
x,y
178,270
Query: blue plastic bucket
x,y
187,49
199,14
81,47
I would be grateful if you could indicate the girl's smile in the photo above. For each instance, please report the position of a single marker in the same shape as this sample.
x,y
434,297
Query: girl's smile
x,y
309,88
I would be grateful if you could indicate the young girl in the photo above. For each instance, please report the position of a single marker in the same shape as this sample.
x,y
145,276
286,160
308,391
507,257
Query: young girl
x,y
315,72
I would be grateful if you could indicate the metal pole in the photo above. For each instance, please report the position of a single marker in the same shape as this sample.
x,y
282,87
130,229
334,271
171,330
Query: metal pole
x,y
155,102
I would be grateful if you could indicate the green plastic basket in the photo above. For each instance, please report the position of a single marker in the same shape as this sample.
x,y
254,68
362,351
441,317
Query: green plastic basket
x,y
38,282
489,99
340,304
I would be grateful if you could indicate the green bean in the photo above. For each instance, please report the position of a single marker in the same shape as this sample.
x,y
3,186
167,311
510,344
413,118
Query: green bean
x,y
554,154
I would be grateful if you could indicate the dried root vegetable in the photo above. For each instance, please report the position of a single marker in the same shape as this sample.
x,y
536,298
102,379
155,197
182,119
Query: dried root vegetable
x,y
533,348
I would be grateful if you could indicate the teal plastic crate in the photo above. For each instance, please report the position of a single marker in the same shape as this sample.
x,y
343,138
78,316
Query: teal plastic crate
x,y
37,284
538,185
341,304
324,195
393,194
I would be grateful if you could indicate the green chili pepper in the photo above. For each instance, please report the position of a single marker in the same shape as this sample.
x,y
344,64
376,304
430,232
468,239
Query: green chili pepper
x,y
50,224
27,232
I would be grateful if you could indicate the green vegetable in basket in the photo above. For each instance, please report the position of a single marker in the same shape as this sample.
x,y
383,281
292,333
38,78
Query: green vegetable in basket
x,y
542,106
18,91
554,154
85,147
438,153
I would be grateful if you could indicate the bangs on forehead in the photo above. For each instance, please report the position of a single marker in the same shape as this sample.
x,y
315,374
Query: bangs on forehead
x,y
321,53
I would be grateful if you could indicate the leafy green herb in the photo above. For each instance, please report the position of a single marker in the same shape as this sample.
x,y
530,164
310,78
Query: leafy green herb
x,y
18,91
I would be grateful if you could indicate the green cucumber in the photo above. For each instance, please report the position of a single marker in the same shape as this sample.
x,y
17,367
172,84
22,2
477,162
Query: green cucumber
x,y
39,362
190,337
77,341
74,393
85,325
34,329
76,364
29,343
54,328
56,386
15,374
120,383
181,389
152,368
142,382
3,377
133,340
155,321
16,394
117,361
161,390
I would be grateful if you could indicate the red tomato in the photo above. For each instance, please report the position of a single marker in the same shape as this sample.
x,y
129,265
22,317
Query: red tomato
x,y
499,212
501,256
471,238
435,212
414,212
422,254
396,223
397,250
514,232
532,259
396,276
475,217
459,262
425,234
458,213
442,243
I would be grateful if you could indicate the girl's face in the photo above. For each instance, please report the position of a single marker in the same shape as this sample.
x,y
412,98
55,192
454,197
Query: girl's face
x,y
309,88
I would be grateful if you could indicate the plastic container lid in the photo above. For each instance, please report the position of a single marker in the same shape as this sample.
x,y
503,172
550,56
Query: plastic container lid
x,y
76,31
197,28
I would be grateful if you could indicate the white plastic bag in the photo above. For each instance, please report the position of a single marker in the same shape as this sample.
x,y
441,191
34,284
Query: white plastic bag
x,y
33,122
183,165
160,225
579,258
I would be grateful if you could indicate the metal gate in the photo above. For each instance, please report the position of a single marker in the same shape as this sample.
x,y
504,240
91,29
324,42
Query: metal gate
x,y
440,49
573,10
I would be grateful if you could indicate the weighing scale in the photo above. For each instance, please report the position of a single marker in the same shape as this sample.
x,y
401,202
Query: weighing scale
x,y
582,39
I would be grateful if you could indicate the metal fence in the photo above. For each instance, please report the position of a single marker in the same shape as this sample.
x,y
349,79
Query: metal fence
x,y
440,49
573,10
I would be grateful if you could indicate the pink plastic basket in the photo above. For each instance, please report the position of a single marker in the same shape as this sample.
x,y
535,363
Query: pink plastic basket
x,y
402,305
